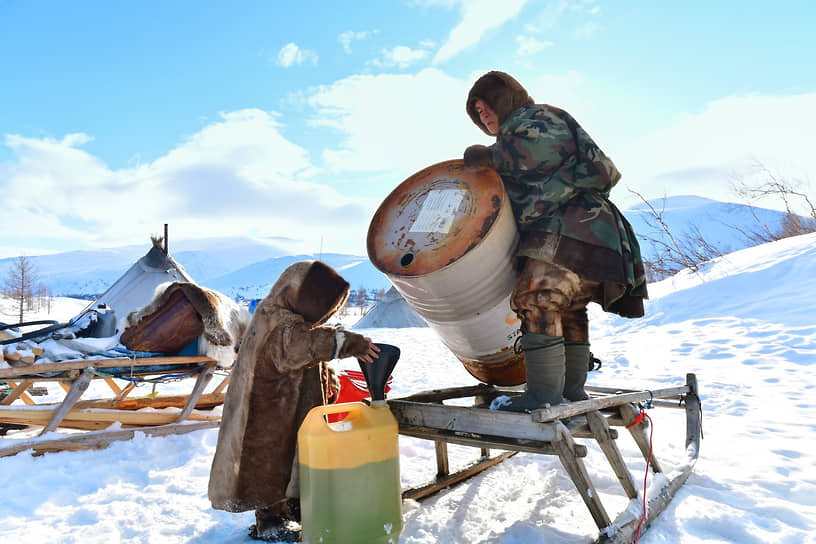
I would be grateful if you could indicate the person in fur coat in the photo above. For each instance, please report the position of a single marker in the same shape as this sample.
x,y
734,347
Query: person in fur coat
x,y
576,246
280,374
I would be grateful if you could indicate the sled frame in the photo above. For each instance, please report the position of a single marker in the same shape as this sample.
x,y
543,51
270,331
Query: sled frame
x,y
178,411
553,431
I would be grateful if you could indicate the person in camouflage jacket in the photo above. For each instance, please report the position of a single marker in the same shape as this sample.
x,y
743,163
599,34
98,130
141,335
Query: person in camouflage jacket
x,y
576,246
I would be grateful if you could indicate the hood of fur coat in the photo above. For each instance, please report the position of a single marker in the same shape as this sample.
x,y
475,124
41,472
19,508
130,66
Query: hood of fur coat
x,y
311,289
501,92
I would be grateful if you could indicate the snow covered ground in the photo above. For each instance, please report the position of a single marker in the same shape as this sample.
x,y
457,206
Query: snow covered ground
x,y
745,325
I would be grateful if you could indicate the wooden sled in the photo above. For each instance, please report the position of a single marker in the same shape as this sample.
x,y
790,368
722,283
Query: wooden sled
x,y
179,413
548,431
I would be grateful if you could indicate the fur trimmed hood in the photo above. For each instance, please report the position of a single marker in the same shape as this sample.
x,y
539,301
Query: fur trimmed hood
x,y
501,92
311,289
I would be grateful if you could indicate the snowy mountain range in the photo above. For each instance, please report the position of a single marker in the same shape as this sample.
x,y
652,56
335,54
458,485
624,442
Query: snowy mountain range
x,y
247,268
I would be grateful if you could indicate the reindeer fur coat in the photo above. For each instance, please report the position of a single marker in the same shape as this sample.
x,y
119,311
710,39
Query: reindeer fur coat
x,y
276,381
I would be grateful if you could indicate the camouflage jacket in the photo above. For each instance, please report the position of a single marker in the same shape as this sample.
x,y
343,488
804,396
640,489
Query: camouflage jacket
x,y
558,181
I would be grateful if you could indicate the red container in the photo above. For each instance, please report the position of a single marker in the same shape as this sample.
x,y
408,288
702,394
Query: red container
x,y
353,388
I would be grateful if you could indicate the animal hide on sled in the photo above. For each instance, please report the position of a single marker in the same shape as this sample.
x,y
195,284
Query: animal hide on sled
x,y
179,313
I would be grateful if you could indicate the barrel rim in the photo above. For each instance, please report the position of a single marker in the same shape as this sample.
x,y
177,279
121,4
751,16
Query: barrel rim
x,y
396,191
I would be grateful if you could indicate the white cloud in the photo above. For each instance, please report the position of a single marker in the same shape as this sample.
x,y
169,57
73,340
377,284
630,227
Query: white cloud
x,y
349,36
478,17
238,176
527,45
400,56
394,125
700,153
290,54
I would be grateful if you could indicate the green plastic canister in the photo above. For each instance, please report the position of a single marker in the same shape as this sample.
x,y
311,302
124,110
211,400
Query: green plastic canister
x,y
349,475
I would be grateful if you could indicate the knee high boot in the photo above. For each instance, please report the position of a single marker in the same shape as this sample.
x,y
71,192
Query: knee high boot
x,y
577,365
545,363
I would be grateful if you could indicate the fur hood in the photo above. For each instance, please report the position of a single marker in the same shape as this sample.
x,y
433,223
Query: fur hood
x,y
310,289
501,92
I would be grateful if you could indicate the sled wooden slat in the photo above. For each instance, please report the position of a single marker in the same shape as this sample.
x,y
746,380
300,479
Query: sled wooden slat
x,y
606,441
18,392
466,419
79,386
93,415
583,406
442,462
484,441
640,433
112,384
101,363
208,400
96,418
102,439
565,449
448,480
204,377
124,392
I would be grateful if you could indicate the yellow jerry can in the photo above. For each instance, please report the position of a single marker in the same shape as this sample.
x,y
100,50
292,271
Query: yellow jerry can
x,y
349,475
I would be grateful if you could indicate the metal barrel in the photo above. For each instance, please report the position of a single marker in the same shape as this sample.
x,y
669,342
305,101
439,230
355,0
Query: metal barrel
x,y
445,238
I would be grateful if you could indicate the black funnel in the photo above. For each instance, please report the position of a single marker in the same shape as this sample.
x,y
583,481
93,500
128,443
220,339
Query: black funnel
x,y
377,373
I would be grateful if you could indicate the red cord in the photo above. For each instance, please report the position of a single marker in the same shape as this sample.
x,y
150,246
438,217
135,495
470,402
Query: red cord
x,y
639,419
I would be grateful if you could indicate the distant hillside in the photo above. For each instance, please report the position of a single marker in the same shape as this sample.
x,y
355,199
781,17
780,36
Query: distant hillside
x,y
247,268
722,224
239,267
255,280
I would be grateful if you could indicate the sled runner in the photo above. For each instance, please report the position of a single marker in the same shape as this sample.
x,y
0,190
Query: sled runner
x,y
554,431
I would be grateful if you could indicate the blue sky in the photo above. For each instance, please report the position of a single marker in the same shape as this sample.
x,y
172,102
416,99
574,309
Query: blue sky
x,y
295,120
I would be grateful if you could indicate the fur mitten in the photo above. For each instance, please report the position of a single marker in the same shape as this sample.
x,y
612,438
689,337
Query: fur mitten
x,y
354,345
478,156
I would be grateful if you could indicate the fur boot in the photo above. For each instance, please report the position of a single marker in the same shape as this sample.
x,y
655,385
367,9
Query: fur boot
x,y
577,365
545,363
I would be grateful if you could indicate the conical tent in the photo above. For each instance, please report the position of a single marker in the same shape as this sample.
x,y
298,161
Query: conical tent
x,y
391,312
135,288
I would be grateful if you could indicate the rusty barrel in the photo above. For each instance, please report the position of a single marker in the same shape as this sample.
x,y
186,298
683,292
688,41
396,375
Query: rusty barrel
x,y
445,238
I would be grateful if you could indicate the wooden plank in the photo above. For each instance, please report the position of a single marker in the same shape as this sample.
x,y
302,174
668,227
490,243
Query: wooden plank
x,y
79,386
124,392
18,392
581,407
103,363
112,384
442,464
578,473
419,493
38,416
465,419
204,376
482,441
694,418
640,433
220,387
603,435
102,439
209,400
439,395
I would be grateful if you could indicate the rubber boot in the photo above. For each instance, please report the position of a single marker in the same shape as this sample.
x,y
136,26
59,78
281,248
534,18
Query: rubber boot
x,y
544,360
577,365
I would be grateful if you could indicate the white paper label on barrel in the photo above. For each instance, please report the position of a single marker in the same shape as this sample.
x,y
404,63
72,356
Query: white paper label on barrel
x,y
438,211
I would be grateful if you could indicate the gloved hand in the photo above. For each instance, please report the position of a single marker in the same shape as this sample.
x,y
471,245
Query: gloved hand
x,y
478,156
357,345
